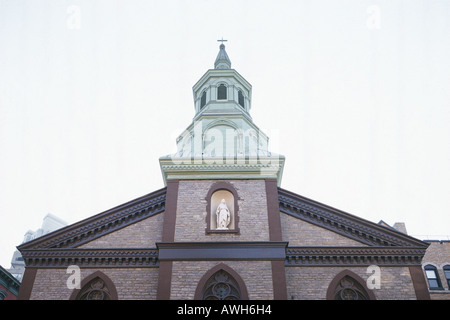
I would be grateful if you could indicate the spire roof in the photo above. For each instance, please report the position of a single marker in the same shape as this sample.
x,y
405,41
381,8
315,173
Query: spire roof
x,y
222,60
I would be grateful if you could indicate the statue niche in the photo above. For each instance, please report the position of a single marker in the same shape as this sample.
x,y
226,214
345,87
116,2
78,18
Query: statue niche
x,y
222,210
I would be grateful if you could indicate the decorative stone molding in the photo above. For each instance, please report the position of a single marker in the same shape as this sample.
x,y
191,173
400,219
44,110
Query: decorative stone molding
x,y
353,256
95,258
222,168
248,250
102,223
343,223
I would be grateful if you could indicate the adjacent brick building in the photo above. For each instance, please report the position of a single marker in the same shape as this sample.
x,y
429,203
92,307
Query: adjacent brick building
x,y
223,228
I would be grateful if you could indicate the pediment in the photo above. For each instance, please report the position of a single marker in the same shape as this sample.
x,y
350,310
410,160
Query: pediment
x,y
343,223
102,224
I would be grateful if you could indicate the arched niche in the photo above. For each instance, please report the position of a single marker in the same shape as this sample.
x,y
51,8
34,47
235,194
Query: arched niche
x,y
222,199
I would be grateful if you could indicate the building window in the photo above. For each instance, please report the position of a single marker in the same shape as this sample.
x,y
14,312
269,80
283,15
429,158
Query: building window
x,y
349,289
241,99
95,290
447,274
347,285
221,283
96,286
221,286
222,92
203,100
433,278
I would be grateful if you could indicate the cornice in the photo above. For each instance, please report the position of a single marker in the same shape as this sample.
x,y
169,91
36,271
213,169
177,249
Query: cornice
x,y
192,251
101,224
222,168
343,223
217,73
354,256
117,258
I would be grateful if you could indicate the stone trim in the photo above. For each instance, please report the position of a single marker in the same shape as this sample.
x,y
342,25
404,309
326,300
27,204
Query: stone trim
x,y
353,256
191,251
91,258
222,168
168,234
26,287
101,224
343,223
419,283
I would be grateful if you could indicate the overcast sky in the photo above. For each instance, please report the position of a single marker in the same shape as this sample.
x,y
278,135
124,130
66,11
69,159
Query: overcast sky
x,y
355,94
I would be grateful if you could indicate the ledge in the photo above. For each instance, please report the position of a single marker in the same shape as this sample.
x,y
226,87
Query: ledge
x,y
186,251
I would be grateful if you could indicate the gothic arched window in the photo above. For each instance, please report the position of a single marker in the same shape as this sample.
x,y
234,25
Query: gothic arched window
x,y
221,286
221,283
96,286
349,289
241,99
203,100
94,290
222,92
349,286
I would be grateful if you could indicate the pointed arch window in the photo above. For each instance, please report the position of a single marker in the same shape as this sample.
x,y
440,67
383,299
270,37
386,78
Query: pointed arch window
x,y
96,286
433,277
95,290
203,100
221,283
222,92
221,286
349,289
349,286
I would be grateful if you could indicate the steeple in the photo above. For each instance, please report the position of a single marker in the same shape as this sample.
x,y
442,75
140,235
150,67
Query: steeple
x,y
222,141
222,60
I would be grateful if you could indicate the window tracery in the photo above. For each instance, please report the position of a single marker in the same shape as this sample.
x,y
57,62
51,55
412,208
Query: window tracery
x,y
349,289
221,286
95,289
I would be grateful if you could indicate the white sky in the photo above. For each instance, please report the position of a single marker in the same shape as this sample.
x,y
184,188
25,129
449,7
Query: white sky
x,y
355,94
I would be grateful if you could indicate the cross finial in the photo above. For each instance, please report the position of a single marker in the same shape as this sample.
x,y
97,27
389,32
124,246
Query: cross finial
x,y
222,40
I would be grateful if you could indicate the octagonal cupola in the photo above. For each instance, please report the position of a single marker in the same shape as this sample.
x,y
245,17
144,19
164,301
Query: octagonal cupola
x,y
222,90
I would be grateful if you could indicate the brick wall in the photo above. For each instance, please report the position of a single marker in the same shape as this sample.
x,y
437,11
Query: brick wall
x,y
257,276
302,233
143,234
304,283
191,211
131,283
438,255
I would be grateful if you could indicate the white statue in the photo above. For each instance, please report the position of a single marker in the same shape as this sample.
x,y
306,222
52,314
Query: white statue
x,y
223,216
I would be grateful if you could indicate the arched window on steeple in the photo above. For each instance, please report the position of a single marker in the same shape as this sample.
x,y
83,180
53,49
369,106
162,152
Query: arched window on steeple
x,y
203,100
222,92
241,99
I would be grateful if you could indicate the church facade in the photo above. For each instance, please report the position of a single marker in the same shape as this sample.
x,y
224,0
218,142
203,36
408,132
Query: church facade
x,y
222,228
